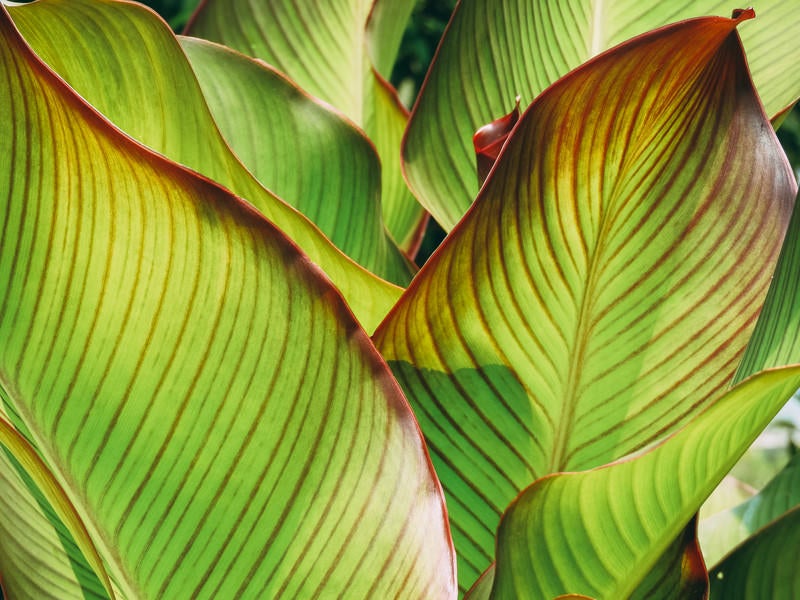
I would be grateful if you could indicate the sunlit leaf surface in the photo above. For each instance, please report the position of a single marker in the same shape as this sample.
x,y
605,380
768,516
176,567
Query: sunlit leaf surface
x,y
299,148
576,532
602,288
136,75
494,51
219,421
328,49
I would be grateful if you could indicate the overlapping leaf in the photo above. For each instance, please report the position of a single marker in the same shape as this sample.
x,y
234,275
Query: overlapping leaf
x,y
723,531
492,52
39,557
327,48
576,533
765,566
134,72
299,148
602,287
776,338
679,573
215,415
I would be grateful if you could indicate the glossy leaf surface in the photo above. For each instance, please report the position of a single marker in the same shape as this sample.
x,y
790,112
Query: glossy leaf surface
x,y
575,532
625,233
136,75
765,566
494,51
199,389
327,47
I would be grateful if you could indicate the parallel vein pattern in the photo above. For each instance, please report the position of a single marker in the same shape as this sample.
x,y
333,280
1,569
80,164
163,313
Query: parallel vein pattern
x,y
219,420
602,287
301,149
137,76
575,532
327,48
492,52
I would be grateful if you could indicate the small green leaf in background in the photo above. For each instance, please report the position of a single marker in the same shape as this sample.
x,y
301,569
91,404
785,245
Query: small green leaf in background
x,y
494,51
327,48
136,74
603,286
721,532
765,566
221,424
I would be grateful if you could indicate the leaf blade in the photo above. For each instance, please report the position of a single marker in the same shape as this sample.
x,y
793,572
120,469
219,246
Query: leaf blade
x,y
159,335
150,103
612,539
568,298
491,54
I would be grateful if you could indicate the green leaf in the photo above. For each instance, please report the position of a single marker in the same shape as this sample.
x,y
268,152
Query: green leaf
x,y
678,573
39,557
491,53
217,418
723,531
775,340
128,65
327,47
299,148
763,567
603,286
386,25
577,533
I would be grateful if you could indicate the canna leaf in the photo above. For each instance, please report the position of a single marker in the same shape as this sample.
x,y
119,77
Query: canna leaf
x,y
136,75
775,340
765,566
602,287
723,531
576,533
216,416
327,48
299,148
39,557
678,573
492,52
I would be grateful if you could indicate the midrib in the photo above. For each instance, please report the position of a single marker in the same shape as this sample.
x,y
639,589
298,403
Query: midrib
x,y
565,424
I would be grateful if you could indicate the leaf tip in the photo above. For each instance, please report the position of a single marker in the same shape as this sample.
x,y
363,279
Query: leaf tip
x,y
743,14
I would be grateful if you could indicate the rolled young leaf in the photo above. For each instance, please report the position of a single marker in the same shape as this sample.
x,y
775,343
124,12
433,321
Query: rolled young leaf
x,y
603,286
492,52
490,139
138,77
200,391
